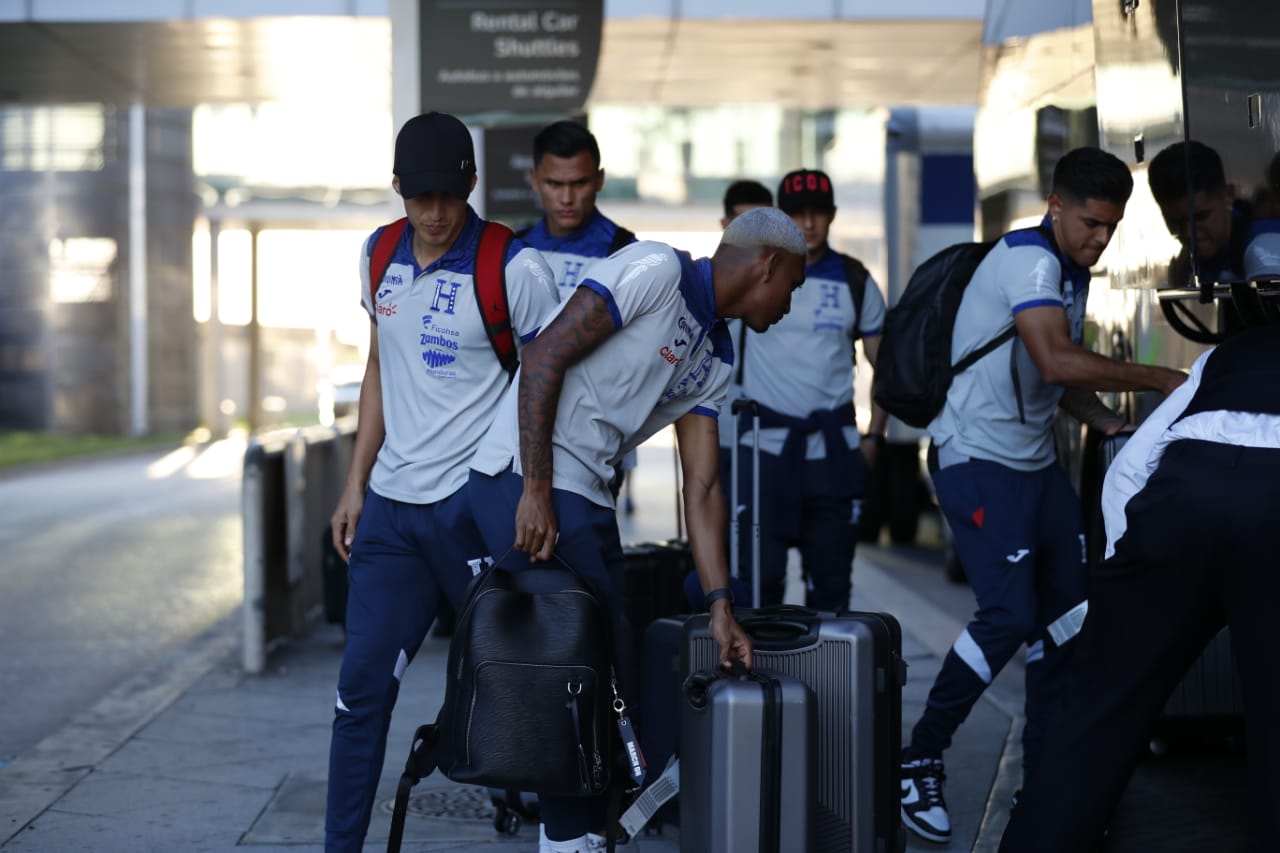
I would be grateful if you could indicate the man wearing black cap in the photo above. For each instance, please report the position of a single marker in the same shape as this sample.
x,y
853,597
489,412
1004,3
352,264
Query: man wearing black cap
x,y
430,389
812,462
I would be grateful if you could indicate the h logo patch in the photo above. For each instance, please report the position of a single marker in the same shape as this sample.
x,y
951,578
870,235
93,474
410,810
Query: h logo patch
x,y
446,297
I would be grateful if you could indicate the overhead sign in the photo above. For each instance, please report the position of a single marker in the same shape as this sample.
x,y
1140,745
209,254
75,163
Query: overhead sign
x,y
513,55
508,157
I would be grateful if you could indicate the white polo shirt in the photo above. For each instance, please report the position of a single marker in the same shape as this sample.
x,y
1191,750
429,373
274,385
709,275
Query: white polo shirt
x,y
980,418
441,380
669,355
804,362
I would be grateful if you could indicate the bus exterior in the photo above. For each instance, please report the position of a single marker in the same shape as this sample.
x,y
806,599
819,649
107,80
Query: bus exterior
x,y
1135,77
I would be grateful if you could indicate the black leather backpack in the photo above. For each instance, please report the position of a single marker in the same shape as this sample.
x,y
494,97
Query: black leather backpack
x,y
530,693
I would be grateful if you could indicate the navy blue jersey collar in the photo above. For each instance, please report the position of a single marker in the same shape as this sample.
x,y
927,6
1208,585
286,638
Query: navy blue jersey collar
x,y
699,295
696,288
542,237
1071,271
830,265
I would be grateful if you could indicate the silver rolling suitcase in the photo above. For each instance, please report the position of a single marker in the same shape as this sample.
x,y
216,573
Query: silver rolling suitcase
x,y
747,753
853,664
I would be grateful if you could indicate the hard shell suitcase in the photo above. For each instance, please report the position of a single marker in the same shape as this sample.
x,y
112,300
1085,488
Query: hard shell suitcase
x,y
853,664
661,680
748,747
652,584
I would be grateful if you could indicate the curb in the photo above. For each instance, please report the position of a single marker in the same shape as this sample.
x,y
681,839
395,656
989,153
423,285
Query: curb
x,y
35,780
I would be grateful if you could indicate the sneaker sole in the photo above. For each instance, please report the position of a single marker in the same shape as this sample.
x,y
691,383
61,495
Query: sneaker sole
x,y
926,834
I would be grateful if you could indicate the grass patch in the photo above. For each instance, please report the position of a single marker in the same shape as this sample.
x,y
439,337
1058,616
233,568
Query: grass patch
x,y
21,448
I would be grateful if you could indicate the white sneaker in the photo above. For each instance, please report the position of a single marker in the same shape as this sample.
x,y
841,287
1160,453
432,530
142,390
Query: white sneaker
x,y
924,812
598,844
589,843
581,844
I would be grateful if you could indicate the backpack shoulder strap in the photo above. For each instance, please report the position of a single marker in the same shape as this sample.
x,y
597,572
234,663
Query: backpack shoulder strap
x,y
384,249
856,275
621,237
491,292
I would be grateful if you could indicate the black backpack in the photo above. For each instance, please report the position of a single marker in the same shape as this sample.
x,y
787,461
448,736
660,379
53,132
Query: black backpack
x,y
530,700
913,366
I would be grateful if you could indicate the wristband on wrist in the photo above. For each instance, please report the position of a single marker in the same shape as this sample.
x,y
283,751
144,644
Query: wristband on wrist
x,y
717,594
878,438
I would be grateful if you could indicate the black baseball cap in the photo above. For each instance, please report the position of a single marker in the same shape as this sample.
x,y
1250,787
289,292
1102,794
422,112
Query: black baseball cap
x,y
805,188
434,154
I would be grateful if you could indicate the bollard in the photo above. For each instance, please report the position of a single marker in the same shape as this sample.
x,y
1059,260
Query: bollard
x,y
292,480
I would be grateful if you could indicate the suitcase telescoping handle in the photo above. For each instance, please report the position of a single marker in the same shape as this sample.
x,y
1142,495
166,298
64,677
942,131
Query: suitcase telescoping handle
x,y
740,405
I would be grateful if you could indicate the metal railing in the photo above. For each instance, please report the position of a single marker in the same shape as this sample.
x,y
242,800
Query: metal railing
x,y
292,480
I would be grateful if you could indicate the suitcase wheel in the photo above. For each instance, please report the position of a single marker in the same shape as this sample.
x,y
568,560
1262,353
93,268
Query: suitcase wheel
x,y
506,821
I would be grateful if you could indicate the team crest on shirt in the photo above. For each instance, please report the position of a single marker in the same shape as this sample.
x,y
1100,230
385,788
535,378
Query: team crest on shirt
x,y
827,315
569,279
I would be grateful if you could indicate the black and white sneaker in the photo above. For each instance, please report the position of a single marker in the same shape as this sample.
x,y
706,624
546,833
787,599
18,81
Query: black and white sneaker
x,y
924,812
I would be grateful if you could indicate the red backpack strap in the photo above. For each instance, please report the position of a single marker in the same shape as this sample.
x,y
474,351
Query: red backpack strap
x,y
491,292
384,249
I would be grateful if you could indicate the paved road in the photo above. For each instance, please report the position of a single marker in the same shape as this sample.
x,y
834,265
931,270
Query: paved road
x,y
106,565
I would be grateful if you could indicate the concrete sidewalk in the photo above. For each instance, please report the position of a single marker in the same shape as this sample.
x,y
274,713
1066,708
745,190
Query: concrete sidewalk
x,y
198,756
195,755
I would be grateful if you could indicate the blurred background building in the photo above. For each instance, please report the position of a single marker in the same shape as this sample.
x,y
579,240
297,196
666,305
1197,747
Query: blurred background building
x,y
185,184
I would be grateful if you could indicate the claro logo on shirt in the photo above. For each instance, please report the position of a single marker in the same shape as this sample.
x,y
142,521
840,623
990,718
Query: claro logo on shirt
x,y
669,357
387,310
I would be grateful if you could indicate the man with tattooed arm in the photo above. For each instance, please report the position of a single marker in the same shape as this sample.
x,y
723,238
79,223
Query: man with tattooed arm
x,y
641,343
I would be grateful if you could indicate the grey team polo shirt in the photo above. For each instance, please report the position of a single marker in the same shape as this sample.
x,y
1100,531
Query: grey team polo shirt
x,y
569,256
669,355
980,418
804,362
441,380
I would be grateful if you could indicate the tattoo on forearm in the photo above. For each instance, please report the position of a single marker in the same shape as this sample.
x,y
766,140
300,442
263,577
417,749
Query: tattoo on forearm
x,y
582,326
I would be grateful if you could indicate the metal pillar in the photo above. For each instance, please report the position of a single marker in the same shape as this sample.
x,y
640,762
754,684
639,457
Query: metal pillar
x,y
138,366
255,334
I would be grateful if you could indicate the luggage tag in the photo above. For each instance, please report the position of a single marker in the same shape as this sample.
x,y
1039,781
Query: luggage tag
x,y
664,788
635,756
